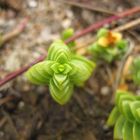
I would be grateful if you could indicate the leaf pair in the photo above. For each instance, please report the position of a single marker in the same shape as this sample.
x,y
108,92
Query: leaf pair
x,y
126,116
61,71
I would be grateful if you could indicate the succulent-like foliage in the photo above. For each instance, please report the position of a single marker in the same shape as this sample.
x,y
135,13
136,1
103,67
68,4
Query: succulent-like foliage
x,y
125,117
135,70
108,46
66,34
61,71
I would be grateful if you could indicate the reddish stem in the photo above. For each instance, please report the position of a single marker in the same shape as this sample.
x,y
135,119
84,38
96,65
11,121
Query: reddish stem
x,y
99,24
18,72
91,28
15,32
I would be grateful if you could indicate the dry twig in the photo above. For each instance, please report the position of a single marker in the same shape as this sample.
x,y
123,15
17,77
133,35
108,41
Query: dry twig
x,y
11,123
15,32
2,121
96,9
121,66
6,99
128,25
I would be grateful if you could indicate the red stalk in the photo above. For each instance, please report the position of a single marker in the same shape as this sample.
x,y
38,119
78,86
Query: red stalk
x,y
99,24
18,72
91,28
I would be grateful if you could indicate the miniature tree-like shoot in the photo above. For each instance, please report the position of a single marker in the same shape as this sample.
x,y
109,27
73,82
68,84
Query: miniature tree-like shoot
x,y
61,71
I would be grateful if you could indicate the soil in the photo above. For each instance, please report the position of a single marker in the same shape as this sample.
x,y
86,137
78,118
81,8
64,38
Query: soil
x,y
27,111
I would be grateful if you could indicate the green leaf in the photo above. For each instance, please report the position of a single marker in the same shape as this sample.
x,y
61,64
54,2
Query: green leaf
x,y
136,131
121,96
137,98
136,77
61,89
135,67
118,94
138,112
119,127
54,67
128,131
134,106
60,79
121,44
95,50
113,117
107,56
62,58
40,73
82,69
61,68
111,51
122,99
102,32
66,34
59,52
68,69
136,63
127,111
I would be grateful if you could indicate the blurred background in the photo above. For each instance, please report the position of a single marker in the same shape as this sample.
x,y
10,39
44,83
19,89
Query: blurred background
x,y
27,27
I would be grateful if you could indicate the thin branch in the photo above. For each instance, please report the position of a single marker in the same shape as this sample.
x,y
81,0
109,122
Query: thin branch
x,y
99,24
11,123
89,29
96,9
18,72
6,99
121,66
121,28
15,32
128,25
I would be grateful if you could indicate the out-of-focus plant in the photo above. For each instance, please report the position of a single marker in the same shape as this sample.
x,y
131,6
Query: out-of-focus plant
x,y
66,34
108,46
125,117
61,71
135,70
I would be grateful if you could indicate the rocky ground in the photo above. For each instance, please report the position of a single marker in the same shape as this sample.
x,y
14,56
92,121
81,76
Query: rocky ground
x,y
27,112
